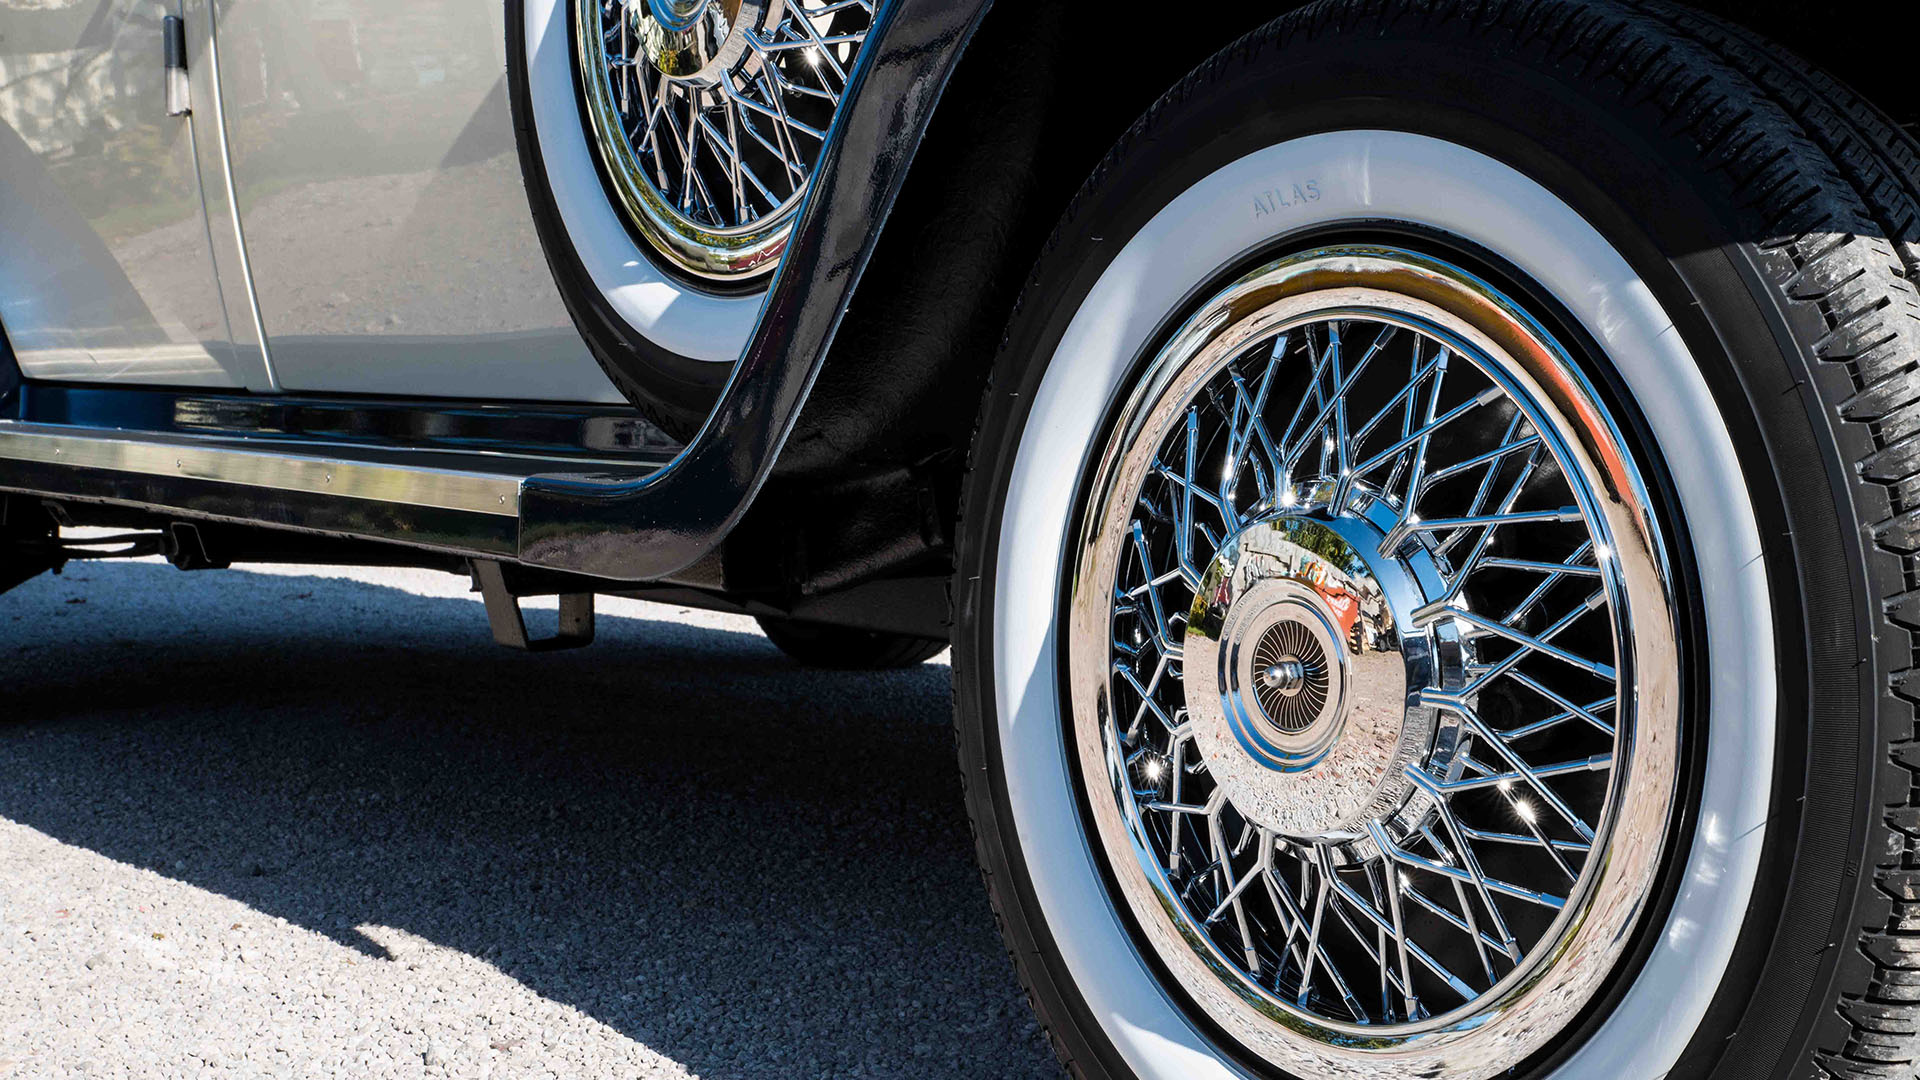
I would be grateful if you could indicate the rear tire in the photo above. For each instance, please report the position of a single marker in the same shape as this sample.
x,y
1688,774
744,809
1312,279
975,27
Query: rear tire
x,y
1608,166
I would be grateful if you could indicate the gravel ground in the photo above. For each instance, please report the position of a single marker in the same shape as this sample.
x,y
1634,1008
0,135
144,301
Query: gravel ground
x,y
309,822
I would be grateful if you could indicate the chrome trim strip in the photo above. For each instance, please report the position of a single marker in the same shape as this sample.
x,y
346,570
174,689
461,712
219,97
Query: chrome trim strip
x,y
223,461
233,198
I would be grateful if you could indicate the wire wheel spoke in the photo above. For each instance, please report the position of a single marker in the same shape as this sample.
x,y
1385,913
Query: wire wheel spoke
x,y
1366,701
712,114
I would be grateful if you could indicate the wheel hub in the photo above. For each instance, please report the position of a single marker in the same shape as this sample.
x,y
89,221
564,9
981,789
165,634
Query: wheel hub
x,y
1286,676
698,42
1298,677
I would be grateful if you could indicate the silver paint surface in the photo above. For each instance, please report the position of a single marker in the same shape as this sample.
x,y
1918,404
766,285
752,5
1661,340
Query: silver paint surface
x,y
368,164
106,266
380,193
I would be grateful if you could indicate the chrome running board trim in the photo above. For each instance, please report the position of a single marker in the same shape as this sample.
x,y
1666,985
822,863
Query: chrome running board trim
x,y
266,465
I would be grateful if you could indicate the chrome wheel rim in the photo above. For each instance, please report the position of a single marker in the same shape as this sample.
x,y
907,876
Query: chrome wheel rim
x,y
1373,670
710,115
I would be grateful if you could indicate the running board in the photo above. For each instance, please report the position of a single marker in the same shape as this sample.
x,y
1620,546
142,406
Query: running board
x,y
464,503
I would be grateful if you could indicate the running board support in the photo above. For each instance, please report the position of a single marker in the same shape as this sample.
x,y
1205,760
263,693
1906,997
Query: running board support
x,y
510,626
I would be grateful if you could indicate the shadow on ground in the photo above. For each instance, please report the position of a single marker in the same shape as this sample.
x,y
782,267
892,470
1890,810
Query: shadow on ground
x,y
753,869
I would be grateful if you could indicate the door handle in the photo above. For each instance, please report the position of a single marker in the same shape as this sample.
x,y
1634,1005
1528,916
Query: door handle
x,y
173,31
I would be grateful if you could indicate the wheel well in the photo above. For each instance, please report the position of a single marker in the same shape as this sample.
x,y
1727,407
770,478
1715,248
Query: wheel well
x,y
1038,100
867,484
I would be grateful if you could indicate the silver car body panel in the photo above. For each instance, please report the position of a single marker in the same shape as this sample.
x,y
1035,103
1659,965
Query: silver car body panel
x,y
378,186
342,211
107,268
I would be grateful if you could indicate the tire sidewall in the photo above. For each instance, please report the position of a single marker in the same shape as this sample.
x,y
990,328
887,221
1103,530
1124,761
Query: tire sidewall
x,y
1651,198
667,345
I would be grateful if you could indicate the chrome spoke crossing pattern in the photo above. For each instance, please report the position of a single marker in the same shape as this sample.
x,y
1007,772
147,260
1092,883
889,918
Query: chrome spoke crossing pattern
x,y
1424,905
711,115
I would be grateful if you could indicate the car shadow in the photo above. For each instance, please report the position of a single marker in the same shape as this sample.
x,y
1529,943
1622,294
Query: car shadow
x,y
677,816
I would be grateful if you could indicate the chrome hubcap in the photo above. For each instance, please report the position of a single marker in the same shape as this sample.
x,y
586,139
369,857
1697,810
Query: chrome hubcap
x,y
696,41
1296,676
710,116
1374,675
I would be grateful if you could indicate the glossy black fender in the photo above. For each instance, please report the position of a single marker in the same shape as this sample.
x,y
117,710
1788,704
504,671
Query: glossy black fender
x,y
841,452
657,527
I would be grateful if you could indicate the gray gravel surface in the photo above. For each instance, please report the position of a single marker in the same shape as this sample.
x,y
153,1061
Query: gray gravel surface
x,y
301,822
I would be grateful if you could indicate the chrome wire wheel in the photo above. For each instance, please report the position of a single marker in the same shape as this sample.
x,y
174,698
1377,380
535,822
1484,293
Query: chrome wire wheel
x,y
710,115
1373,675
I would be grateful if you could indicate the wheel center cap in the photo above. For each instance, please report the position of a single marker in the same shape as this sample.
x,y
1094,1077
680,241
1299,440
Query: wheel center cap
x,y
1302,682
676,14
698,41
1286,676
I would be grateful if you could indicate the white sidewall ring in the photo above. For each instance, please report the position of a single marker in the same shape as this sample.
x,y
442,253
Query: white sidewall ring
x,y
1360,177
671,315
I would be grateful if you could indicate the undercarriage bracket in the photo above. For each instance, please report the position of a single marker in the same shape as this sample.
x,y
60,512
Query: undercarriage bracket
x,y
510,626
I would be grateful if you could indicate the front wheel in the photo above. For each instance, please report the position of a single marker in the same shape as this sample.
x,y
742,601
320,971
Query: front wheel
x,y
1559,355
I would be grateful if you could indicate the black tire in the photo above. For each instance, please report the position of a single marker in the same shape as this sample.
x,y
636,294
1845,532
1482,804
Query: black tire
x,y
29,540
841,648
673,390
1776,217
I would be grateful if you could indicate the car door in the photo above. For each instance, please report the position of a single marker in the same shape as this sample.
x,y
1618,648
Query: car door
x,y
379,189
107,258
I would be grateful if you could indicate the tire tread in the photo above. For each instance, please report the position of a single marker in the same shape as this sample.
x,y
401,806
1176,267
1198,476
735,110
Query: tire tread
x,y
1865,282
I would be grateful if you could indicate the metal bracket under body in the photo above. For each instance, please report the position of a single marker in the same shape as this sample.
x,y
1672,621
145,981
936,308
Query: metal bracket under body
x,y
510,627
